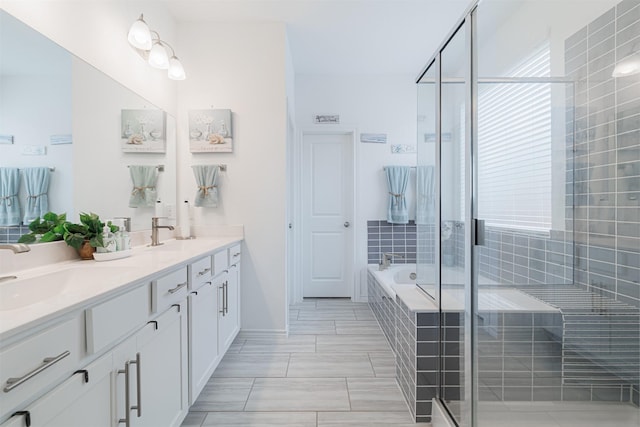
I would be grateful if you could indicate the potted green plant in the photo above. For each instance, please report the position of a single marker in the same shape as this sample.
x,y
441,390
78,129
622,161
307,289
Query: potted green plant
x,y
86,235
49,228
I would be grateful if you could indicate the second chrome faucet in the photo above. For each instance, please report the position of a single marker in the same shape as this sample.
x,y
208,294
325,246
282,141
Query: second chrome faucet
x,y
155,236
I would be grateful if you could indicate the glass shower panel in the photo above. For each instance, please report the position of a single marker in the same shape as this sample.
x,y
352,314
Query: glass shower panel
x,y
556,154
426,184
455,325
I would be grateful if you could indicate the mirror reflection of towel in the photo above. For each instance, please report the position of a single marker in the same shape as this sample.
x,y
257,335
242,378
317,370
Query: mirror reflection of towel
x,y
36,181
9,204
425,195
144,193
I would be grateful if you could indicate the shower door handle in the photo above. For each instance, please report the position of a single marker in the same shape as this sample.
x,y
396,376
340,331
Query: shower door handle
x,y
478,225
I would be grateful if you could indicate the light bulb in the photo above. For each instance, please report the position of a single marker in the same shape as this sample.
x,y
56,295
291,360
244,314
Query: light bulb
x,y
158,57
627,66
139,35
176,71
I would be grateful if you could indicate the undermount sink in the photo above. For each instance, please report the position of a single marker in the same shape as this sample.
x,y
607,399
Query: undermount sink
x,y
18,293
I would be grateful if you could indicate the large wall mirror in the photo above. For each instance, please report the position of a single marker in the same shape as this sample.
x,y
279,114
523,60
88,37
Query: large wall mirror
x,y
58,112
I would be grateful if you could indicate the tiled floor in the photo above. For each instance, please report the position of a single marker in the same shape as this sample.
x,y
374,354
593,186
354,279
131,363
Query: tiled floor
x,y
335,369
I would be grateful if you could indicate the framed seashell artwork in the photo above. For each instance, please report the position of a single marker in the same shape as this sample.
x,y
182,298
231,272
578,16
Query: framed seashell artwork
x,y
143,131
210,131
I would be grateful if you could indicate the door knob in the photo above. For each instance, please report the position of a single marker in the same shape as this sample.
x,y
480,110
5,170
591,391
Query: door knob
x,y
346,224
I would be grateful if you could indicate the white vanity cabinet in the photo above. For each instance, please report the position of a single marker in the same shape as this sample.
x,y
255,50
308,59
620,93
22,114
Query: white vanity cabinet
x,y
149,370
82,400
135,358
229,307
203,337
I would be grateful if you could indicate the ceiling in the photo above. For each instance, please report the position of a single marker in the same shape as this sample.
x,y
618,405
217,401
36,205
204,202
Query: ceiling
x,y
346,36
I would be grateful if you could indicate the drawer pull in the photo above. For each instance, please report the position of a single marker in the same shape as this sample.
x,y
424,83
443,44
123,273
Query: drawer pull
x,y
155,324
203,272
178,305
236,254
46,363
177,288
27,417
85,377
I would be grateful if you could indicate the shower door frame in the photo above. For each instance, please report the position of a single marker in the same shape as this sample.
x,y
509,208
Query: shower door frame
x,y
468,404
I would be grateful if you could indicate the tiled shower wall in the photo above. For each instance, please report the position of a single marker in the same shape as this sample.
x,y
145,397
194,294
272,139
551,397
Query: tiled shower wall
x,y
396,238
607,154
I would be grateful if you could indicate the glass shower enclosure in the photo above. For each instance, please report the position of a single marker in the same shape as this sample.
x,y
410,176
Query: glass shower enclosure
x,y
533,249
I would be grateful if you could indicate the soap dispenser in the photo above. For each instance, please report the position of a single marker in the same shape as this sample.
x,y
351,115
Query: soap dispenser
x,y
108,241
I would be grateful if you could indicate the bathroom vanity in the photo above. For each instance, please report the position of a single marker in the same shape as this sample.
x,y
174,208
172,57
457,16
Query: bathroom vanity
x,y
129,342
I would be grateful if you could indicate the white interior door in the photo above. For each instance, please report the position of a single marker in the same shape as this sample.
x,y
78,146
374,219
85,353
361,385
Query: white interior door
x,y
327,179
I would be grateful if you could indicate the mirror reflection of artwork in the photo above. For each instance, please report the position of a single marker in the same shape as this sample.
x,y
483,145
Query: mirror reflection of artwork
x,y
143,131
210,131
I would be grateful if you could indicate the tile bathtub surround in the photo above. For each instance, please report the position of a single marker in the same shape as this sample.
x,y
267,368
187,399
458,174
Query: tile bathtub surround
x,y
397,238
335,369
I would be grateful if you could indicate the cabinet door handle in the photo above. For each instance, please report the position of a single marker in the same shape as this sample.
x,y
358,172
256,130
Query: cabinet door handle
x,y
138,407
203,272
127,397
236,254
47,362
177,288
222,289
226,297
85,373
27,417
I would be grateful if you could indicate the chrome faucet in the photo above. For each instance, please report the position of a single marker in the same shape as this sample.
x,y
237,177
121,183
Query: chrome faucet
x,y
385,262
155,237
17,248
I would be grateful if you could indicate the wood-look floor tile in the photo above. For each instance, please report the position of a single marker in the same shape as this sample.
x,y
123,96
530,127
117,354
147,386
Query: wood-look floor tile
x,y
252,366
298,394
357,327
375,394
326,315
368,419
290,344
330,365
194,419
224,394
384,364
347,343
261,419
312,327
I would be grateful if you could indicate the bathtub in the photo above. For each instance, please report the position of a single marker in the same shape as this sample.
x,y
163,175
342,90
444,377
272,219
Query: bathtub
x,y
492,297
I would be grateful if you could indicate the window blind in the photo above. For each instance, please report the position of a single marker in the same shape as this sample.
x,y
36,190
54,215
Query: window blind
x,y
514,148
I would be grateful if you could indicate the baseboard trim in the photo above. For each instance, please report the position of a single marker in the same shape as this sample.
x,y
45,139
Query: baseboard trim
x,y
439,415
262,333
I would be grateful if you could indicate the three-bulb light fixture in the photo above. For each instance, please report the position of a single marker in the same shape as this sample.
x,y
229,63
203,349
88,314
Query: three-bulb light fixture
x,y
155,50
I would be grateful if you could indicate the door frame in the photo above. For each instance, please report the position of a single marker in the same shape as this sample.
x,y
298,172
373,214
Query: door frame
x,y
351,132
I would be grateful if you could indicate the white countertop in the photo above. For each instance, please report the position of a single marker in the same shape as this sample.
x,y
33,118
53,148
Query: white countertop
x,y
102,279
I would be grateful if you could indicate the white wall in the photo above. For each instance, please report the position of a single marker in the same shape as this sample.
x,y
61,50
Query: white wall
x,y
242,67
369,104
103,182
95,31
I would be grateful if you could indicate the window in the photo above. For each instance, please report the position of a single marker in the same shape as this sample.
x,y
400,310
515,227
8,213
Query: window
x,y
514,147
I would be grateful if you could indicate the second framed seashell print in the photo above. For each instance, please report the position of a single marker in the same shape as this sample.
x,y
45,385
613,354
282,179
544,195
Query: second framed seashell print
x,y
210,131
